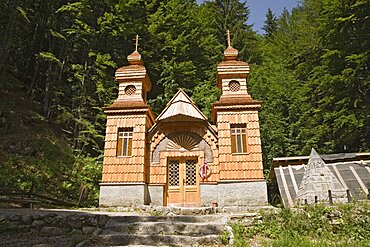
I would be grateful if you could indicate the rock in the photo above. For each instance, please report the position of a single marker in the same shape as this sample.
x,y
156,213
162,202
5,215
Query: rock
x,y
59,221
190,211
336,222
3,219
26,219
103,219
49,218
51,231
97,232
24,228
88,230
38,223
36,217
176,210
15,217
75,224
11,227
83,243
337,214
91,221
145,208
76,232
163,210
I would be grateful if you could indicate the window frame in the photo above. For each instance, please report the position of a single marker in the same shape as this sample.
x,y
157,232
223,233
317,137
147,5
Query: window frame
x,y
238,139
124,138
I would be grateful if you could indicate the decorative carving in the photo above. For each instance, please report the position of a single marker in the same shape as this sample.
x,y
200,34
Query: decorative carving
x,y
182,141
191,172
174,174
169,143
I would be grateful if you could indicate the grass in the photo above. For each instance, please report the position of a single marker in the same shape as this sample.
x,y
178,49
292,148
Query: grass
x,y
318,225
155,213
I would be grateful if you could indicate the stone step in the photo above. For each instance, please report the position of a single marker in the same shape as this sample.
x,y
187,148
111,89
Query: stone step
x,y
168,228
154,239
176,218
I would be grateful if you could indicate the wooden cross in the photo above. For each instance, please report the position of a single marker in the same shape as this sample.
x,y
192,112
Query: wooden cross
x,y
137,42
228,38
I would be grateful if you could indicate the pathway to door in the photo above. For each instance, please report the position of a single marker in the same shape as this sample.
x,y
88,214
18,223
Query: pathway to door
x,y
183,182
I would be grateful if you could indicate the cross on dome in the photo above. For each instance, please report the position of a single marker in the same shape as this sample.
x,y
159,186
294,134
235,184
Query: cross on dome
x,y
228,38
136,42
135,57
230,53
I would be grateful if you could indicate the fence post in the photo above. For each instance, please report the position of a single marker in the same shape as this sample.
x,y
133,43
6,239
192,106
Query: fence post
x,y
349,197
316,199
330,197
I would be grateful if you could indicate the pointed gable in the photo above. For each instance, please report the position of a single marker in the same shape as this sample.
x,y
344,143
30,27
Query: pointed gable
x,y
181,105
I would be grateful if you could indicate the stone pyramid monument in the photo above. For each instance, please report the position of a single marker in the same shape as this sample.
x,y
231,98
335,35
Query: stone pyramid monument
x,y
317,180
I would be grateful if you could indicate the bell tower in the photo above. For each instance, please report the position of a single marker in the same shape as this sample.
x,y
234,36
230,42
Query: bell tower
x,y
236,118
126,160
133,79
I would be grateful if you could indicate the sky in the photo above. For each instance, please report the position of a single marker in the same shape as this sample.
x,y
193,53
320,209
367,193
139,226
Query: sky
x,y
258,9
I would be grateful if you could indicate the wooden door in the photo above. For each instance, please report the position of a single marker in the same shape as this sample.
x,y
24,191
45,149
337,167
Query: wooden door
x,y
183,182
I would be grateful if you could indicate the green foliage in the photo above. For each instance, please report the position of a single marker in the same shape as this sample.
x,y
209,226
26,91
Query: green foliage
x,y
224,237
343,225
310,71
313,81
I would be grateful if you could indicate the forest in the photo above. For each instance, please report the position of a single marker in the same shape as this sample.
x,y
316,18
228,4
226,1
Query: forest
x,y
310,68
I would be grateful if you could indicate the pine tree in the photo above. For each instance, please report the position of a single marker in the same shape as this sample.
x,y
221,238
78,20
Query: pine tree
x,y
270,26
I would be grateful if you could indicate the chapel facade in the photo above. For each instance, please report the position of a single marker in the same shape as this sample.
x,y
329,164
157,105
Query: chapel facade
x,y
179,158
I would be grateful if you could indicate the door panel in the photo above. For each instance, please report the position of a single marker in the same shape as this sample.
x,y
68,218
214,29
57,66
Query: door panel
x,y
174,192
183,182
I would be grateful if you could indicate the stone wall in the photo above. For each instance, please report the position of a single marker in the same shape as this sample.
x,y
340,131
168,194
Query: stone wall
x,y
54,224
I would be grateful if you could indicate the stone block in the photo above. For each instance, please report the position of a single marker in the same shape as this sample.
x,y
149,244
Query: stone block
x,y
155,195
88,230
38,223
125,195
26,219
51,231
242,193
102,220
208,194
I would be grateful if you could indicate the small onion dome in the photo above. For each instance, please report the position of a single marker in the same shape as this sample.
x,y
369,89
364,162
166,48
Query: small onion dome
x,y
135,58
230,53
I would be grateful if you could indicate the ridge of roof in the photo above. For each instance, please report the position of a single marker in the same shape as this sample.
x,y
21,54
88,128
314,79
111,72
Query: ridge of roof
x,y
188,108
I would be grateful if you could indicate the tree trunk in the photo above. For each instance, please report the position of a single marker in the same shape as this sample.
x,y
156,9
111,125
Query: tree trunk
x,y
8,37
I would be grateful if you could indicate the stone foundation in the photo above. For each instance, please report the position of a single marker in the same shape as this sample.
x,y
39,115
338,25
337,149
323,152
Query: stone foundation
x,y
228,193
208,194
240,193
155,195
122,195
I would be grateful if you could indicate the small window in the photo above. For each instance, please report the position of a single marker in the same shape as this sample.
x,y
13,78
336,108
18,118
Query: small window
x,y
238,138
234,86
130,90
124,142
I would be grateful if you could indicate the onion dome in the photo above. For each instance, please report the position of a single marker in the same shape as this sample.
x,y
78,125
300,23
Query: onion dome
x,y
230,53
135,58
